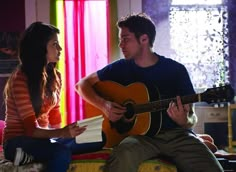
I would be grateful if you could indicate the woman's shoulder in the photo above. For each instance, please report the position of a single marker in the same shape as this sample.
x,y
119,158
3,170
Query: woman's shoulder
x,y
18,75
17,79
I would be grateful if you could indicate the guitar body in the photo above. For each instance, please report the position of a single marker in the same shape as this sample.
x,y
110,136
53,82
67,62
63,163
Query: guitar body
x,y
136,93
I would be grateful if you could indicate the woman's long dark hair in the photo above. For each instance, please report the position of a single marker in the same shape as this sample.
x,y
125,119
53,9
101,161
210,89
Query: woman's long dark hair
x,y
42,78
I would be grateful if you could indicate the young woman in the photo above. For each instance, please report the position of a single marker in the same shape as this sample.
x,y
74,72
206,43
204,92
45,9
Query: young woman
x,y
32,98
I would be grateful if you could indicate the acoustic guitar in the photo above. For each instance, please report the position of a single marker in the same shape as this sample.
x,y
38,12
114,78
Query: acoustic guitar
x,y
136,98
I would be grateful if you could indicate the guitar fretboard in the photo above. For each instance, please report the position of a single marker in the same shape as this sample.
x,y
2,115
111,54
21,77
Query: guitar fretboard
x,y
164,104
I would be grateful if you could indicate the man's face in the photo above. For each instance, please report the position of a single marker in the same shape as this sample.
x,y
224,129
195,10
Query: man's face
x,y
128,43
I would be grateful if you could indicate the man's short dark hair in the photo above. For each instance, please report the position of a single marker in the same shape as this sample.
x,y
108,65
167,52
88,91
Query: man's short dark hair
x,y
139,24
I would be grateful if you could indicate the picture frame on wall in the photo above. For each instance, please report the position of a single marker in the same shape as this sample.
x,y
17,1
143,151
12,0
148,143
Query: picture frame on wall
x,y
8,52
9,43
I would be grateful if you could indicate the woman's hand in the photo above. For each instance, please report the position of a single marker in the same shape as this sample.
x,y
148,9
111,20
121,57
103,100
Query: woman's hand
x,y
72,130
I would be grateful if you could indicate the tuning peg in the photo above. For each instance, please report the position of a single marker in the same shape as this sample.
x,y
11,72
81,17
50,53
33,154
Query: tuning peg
x,y
227,83
222,105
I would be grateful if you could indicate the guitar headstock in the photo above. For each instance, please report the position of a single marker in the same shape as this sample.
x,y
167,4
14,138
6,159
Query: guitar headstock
x,y
218,94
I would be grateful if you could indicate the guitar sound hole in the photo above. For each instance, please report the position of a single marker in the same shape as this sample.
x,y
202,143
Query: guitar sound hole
x,y
130,110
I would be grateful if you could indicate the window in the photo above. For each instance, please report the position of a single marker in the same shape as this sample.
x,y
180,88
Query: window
x,y
198,38
194,2
194,33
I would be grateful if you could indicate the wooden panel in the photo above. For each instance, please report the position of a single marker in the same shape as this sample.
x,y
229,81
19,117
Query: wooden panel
x,y
208,114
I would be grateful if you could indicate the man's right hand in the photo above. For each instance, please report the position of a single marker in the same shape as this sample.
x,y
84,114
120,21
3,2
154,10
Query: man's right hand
x,y
113,111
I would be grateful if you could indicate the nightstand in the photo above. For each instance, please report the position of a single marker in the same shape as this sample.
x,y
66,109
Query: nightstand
x,y
213,121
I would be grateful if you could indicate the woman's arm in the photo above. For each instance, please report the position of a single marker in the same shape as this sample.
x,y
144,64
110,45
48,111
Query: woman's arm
x,y
69,131
33,130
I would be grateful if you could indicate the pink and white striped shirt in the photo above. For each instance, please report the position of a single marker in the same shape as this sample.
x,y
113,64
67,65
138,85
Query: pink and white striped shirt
x,y
20,116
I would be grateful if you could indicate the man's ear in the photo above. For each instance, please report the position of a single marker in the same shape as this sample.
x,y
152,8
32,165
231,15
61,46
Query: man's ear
x,y
144,39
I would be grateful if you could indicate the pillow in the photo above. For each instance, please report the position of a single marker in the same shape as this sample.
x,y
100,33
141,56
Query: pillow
x,y
2,125
208,141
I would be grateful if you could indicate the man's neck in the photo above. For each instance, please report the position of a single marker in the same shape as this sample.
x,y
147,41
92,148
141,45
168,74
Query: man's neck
x,y
146,60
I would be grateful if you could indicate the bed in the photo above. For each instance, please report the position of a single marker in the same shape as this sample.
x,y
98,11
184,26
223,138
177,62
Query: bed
x,y
95,161
89,162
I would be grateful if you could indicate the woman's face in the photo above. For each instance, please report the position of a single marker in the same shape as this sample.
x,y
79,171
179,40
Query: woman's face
x,y
53,49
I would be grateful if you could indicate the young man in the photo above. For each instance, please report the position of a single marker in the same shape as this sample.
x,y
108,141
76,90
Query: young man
x,y
170,133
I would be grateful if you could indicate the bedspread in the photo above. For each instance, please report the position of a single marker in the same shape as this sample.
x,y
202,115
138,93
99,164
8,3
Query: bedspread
x,y
89,162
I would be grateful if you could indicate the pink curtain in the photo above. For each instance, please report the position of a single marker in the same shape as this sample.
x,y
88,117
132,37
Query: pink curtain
x,y
86,47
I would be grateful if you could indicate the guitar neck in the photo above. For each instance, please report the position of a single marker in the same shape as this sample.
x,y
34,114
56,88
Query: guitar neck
x,y
164,104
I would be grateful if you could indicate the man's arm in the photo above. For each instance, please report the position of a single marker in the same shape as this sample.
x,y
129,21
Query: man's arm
x,y
112,110
85,89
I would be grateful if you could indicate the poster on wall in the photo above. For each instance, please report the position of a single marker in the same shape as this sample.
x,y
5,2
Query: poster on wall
x,y
8,52
8,62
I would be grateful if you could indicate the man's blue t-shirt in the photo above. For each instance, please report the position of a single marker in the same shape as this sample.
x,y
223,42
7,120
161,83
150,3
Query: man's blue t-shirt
x,y
165,79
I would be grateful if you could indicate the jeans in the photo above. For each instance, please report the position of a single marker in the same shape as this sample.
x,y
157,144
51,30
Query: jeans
x,y
180,146
55,155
